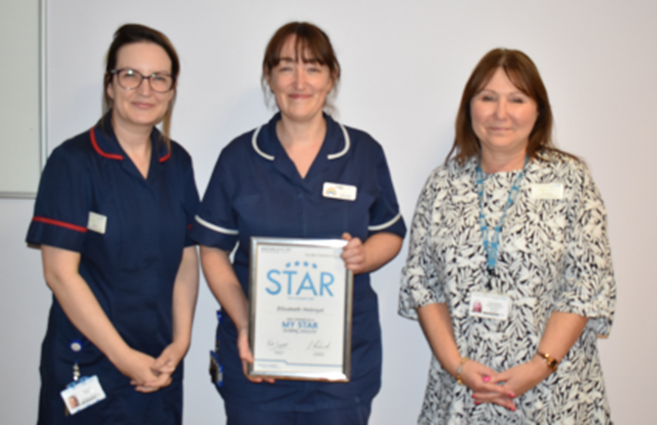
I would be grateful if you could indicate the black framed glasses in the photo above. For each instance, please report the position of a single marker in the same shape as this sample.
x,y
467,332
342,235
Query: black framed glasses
x,y
130,79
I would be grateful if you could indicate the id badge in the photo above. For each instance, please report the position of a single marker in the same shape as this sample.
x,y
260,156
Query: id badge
x,y
81,394
489,306
547,191
97,222
345,192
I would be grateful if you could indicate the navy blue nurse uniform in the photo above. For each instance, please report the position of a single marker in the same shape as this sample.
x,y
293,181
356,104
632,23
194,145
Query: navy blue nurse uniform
x,y
130,267
256,190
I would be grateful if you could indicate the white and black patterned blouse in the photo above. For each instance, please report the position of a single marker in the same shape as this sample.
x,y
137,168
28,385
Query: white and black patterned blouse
x,y
554,256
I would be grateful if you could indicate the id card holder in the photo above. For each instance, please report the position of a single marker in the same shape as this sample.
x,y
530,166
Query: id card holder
x,y
216,369
82,393
489,306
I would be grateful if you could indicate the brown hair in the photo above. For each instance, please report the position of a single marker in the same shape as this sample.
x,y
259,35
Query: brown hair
x,y
135,33
309,39
523,74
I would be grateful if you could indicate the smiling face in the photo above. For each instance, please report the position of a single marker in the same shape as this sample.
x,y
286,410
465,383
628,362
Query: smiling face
x,y
141,106
502,116
299,83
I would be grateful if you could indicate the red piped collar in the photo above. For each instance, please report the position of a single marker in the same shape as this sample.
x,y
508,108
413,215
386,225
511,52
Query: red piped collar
x,y
104,154
94,143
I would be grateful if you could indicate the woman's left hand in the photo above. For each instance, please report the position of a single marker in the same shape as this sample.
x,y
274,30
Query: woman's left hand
x,y
517,380
376,251
164,365
353,254
168,360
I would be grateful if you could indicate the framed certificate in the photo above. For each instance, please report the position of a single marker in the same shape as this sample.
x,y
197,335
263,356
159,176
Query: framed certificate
x,y
300,295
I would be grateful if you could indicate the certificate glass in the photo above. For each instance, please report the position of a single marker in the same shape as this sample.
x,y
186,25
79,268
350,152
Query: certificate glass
x,y
300,295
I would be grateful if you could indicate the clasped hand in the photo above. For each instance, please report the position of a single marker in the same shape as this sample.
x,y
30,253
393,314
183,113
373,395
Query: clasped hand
x,y
489,386
150,374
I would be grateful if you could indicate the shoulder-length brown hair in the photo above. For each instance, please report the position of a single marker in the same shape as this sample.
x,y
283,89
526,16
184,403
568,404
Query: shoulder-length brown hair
x,y
310,40
135,33
525,76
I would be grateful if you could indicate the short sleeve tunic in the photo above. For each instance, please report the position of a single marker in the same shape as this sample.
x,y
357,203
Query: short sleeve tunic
x,y
256,190
554,255
130,233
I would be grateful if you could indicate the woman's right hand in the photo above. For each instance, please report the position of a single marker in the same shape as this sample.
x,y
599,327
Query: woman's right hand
x,y
436,324
247,357
227,290
139,368
477,378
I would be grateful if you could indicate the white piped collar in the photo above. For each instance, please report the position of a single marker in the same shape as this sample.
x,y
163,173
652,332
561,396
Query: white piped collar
x,y
347,144
254,142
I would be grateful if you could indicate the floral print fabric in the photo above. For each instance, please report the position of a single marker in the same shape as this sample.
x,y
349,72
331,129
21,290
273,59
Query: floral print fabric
x,y
554,255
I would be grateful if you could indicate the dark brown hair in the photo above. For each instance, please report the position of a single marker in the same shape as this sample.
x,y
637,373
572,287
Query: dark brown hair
x,y
309,40
135,33
523,74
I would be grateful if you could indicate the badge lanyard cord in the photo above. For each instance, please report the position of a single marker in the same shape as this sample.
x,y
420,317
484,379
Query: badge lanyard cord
x,y
491,244
76,346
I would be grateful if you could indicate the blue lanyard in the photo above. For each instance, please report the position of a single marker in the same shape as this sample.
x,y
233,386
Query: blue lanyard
x,y
491,246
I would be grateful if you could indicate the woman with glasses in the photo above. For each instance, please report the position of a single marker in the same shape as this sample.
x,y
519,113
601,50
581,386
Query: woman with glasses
x,y
111,219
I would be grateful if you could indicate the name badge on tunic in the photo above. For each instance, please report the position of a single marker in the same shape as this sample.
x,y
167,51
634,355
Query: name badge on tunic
x,y
489,306
345,192
547,191
97,222
82,393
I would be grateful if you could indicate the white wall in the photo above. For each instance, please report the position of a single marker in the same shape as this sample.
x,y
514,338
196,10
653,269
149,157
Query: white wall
x,y
404,66
20,164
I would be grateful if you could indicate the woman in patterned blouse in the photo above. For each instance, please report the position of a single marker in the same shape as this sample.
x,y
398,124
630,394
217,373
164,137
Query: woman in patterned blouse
x,y
509,268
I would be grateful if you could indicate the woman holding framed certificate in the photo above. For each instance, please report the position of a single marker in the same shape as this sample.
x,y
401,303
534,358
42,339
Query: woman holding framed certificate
x,y
304,176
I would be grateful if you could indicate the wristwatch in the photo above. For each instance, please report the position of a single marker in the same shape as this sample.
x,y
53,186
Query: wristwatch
x,y
552,363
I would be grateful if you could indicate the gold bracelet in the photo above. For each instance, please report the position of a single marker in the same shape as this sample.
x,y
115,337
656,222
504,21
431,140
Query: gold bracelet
x,y
459,369
552,363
